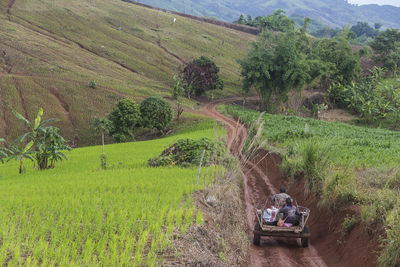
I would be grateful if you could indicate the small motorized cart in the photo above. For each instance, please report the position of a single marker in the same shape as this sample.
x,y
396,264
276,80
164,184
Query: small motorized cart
x,y
299,230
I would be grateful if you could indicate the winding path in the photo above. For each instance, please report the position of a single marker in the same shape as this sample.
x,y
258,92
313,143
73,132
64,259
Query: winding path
x,y
273,251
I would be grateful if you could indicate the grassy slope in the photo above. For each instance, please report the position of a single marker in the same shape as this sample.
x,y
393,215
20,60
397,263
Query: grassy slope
x,y
51,50
77,214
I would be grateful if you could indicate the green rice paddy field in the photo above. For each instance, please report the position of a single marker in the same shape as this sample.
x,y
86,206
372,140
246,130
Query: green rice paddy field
x,y
77,214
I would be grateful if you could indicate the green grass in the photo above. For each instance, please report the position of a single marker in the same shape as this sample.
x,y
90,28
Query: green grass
x,y
77,214
60,46
349,146
362,169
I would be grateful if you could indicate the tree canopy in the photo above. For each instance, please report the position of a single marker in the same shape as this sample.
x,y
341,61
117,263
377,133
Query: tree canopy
x,y
125,118
278,63
156,113
200,75
387,48
278,21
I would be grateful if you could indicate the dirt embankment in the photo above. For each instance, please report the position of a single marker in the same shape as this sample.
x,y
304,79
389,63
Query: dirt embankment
x,y
355,249
262,176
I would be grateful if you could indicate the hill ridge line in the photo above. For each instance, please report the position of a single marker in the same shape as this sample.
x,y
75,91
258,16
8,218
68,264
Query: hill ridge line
x,y
232,26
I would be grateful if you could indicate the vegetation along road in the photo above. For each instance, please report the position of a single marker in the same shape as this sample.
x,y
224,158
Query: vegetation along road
x,y
258,187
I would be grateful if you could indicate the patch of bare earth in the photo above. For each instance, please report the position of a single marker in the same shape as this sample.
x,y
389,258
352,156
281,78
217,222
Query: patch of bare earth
x,y
336,115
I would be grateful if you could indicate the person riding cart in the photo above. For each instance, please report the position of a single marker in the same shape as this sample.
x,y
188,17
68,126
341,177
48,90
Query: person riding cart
x,y
279,200
290,214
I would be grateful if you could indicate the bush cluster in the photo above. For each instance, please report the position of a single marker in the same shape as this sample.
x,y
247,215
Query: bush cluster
x,y
372,98
186,152
127,116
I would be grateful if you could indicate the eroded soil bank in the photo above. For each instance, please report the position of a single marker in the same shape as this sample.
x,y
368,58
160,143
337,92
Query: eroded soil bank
x,y
261,178
358,248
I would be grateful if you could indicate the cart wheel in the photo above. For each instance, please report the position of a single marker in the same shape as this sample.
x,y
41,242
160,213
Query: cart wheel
x,y
257,237
304,240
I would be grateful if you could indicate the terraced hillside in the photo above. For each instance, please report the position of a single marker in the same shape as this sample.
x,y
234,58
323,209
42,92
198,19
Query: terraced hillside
x,y
51,50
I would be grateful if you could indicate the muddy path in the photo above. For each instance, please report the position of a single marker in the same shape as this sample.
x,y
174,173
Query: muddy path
x,y
258,187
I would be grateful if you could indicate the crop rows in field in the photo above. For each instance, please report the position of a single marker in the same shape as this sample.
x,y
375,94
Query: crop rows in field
x,y
349,146
80,215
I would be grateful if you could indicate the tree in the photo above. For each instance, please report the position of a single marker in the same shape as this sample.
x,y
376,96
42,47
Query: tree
x,y
278,63
102,126
177,92
156,113
200,75
363,28
47,142
342,64
20,154
125,118
275,22
387,48
377,25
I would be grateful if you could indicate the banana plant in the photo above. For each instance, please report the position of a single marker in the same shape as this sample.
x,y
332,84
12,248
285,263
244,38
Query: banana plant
x,y
20,154
46,142
3,151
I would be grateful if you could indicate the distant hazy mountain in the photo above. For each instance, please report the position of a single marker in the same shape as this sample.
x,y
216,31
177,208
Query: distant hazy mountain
x,y
334,13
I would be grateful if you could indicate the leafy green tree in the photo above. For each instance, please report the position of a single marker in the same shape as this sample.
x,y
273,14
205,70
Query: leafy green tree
x,y
276,22
47,142
200,75
177,92
278,63
125,118
343,65
20,154
387,48
156,113
363,28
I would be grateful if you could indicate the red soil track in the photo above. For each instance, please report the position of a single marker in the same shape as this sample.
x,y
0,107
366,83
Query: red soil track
x,y
273,251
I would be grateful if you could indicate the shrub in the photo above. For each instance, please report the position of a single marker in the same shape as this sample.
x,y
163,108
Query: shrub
x,y
201,75
125,118
348,224
340,190
92,84
156,113
391,244
189,151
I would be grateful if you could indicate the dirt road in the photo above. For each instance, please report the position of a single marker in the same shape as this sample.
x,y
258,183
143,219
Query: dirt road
x,y
272,251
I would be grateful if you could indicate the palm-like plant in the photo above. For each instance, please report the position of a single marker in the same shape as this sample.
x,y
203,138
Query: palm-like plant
x,y
46,141
20,154
103,126
3,151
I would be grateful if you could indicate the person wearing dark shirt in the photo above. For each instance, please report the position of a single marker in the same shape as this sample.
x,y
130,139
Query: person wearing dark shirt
x,y
290,213
278,200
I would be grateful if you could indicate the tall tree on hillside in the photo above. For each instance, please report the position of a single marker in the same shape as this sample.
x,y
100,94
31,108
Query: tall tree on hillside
x,y
200,75
387,48
278,63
